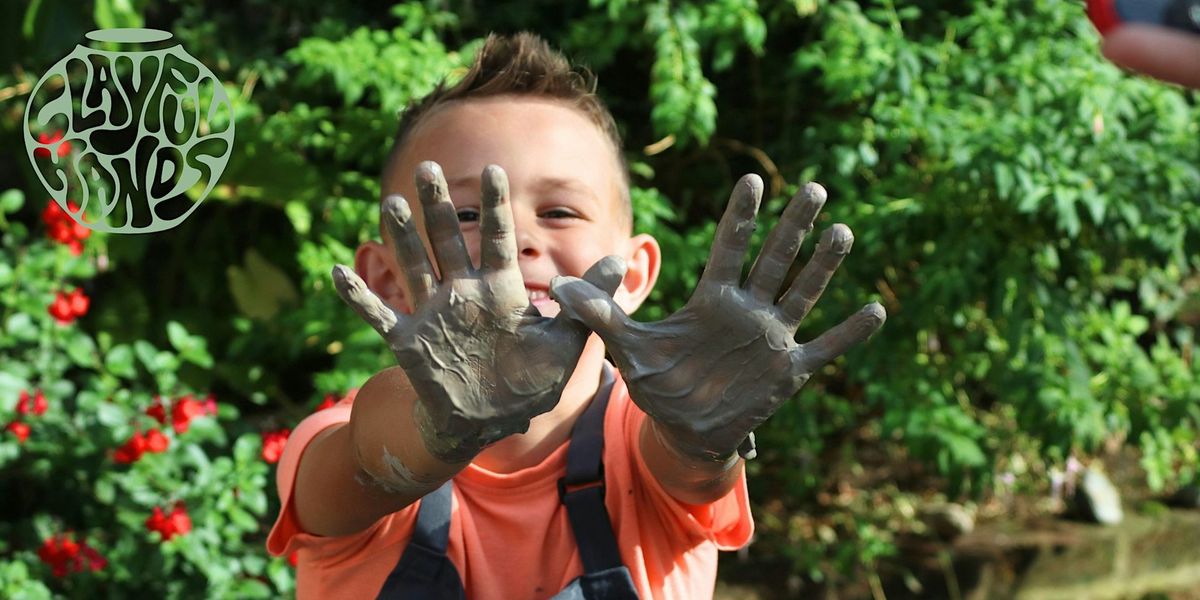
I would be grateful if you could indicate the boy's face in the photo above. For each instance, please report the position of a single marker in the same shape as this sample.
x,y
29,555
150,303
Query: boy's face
x,y
565,191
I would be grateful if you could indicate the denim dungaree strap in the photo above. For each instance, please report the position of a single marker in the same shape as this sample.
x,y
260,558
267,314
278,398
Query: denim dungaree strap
x,y
424,572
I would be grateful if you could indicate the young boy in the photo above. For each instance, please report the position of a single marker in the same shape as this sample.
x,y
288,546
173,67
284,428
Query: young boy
x,y
567,478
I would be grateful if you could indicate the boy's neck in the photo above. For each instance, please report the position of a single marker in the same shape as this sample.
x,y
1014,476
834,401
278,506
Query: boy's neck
x,y
548,431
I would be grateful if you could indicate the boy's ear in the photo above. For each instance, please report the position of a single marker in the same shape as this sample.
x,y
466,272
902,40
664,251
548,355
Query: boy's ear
x,y
376,265
642,261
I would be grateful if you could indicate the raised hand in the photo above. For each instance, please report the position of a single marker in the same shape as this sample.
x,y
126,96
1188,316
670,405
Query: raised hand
x,y
712,372
481,359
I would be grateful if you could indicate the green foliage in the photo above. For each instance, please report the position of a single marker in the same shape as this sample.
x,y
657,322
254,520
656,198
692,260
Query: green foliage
x,y
65,476
1025,211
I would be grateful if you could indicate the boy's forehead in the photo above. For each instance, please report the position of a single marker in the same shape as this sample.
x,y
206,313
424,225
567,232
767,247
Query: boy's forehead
x,y
540,142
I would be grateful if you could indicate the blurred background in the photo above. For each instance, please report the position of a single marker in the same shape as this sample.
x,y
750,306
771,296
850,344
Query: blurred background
x,y
1026,424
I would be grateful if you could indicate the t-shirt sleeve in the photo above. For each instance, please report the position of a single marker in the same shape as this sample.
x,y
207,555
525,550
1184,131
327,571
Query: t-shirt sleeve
x,y
287,535
727,522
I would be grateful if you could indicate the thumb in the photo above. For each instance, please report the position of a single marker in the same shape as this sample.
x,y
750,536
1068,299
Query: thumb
x,y
607,274
586,303
369,307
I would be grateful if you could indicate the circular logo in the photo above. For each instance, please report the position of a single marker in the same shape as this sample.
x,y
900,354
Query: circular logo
x,y
135,138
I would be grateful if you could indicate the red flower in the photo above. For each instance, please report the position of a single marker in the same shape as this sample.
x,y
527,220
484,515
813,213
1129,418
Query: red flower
x,y
210,405
20,430
273,443
68,307
43,138
65,555
132,450
94,559
168,526
184,410
156,441
330,400
60,309
292,559
79,302
64,229
157,411
38,407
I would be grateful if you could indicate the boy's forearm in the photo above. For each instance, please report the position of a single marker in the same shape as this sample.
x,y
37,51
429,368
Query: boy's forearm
x,y
351,476
685,478
388,444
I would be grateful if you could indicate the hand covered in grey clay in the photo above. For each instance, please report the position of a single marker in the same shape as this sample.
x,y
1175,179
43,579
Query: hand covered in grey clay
x,y
480,357
712,372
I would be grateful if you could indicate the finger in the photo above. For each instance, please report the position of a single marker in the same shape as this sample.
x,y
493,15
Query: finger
x,y
498,246
364,302
591,306
810,283
748,449
733,234
441,221
607,274
782,245
1159,52
410,251
807,358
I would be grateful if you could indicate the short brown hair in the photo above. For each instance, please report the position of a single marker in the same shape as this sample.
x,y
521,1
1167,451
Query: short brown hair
x,y
518,65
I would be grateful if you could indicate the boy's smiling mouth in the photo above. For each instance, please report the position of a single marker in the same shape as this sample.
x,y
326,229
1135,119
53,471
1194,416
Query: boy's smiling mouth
x,y
539,296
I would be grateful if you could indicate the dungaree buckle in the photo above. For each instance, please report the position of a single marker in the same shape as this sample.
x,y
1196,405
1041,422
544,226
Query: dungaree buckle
x,y
583,485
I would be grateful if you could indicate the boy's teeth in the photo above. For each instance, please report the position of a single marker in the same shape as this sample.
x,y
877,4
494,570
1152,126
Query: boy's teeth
x,y
537,295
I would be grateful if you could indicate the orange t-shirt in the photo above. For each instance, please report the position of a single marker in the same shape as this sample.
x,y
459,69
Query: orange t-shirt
x,y
509,533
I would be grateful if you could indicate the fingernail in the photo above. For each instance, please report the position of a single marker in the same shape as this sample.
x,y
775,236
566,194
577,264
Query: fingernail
x,y
612,266
495,182
813,192
876,312
397,207
754,183
837,239
428,175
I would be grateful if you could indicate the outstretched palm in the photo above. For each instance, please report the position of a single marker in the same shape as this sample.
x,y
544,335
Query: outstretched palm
x,y
713,371
482,360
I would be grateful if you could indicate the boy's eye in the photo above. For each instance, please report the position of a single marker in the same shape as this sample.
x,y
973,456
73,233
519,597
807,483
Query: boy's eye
x,y
467,215
558,213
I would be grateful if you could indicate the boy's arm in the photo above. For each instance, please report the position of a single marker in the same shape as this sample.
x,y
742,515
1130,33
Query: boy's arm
x,y
338,489
685,478
711,373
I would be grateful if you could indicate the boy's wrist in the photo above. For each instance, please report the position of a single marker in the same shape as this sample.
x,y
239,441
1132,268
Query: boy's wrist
x,y
451,447
691,453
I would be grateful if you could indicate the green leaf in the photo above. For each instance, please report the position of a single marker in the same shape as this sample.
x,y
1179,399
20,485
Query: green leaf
x,y
179,337
119,362
105,491
11,385
251,588
81,349
246,448
11,201
191,348
111,415
147,353
244,520
255,501
259,288
21,327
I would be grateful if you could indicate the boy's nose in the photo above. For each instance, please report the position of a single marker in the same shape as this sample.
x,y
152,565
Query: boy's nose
x,y
528,244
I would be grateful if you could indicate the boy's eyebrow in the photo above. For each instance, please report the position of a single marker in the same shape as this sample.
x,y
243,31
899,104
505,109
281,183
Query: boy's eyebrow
x,y
542,185
554,184
469,181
